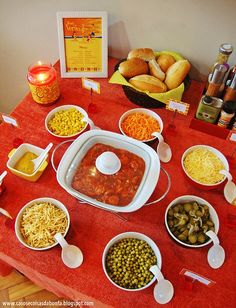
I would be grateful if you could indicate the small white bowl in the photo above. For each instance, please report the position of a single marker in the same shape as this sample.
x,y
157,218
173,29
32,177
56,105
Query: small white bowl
x,y
191,198
19,217
142,110
136,235
65,107
214,151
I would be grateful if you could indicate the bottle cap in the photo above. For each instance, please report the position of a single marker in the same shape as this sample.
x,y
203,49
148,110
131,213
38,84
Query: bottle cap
x,y
229,107
226,48
207,100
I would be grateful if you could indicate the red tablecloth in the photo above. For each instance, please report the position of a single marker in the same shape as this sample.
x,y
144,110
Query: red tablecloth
x,y
92,228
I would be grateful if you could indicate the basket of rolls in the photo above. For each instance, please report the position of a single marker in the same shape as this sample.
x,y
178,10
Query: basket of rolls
x,y
150,79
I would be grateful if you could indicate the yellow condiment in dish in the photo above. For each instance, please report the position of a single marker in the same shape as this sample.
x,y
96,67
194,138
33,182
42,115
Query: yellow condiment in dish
x,y
25,163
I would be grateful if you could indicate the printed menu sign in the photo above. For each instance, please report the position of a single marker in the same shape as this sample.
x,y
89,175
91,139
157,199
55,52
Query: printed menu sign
x,y
83,44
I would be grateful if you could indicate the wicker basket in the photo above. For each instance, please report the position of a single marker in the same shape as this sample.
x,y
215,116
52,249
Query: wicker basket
x,y
142,99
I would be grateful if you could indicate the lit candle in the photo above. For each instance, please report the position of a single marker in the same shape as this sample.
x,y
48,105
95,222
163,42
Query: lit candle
x,y
43,83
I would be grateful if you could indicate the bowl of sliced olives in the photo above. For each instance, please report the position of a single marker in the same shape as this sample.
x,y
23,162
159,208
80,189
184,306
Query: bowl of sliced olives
x,y
127,259
188,218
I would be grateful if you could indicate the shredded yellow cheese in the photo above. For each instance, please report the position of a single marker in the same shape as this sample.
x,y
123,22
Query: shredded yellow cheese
x,y
203,166
40,222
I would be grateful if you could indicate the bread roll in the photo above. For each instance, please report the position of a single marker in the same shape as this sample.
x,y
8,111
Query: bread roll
x,y
165,61
146,54
133,67
155,70
148,83
176,73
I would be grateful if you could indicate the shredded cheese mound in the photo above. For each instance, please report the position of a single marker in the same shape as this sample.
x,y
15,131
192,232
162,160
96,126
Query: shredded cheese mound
x,y
203,166
40,222
140,126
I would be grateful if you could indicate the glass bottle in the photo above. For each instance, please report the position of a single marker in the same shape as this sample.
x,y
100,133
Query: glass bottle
x,y
216,80
225,51
230,94
227,113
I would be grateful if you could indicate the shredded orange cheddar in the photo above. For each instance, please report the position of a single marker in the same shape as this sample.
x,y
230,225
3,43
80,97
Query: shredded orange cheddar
x,y
140,126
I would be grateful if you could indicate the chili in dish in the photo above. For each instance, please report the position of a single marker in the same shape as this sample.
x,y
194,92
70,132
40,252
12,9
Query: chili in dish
x,y
118,189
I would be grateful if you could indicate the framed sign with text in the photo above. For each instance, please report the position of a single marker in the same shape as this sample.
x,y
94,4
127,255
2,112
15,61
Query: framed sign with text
x,y
83,44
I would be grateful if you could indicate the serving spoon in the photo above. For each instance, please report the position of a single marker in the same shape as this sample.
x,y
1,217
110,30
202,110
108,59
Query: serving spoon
x,y
216,254
2,176
71,255
163,290
163,149
230,187
37,161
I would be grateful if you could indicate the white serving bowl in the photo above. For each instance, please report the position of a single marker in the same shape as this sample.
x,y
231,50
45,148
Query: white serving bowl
x,y
136,235
142,110
77,151
218,154
19,217
191,198
66,107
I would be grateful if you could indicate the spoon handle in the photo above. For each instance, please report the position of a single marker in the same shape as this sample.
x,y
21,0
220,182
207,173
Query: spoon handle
x,y
61,240
89,121
227,174
159,136
214,237
156,272
45,151
2,176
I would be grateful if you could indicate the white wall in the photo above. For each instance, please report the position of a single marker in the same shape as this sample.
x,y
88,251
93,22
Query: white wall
x,y
195,28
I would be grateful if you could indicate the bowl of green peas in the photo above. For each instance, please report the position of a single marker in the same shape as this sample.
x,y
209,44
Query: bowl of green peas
x,y
127,258
67,121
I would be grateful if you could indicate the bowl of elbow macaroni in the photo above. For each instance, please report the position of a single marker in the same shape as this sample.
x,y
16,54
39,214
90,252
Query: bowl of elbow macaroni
x,y
66,121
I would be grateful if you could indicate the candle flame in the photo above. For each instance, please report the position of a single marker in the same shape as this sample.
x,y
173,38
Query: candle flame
x,y
42,77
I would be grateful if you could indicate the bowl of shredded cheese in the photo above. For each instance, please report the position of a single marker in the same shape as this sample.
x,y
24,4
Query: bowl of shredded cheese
x,y
39,220
202,165
66,121
140,123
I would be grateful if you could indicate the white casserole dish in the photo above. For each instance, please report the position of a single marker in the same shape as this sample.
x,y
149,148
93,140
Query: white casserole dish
x,y
77,150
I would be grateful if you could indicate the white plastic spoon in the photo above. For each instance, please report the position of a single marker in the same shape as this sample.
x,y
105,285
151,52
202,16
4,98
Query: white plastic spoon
x,y
163,290
2,176
37,161
216,254
90,122
5,213
71,255
163,149
230,187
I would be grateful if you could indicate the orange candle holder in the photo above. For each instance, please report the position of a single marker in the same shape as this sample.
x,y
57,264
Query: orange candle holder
x,y
43,83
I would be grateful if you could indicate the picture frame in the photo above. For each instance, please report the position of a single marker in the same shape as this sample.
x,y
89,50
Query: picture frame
x,y
83,44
